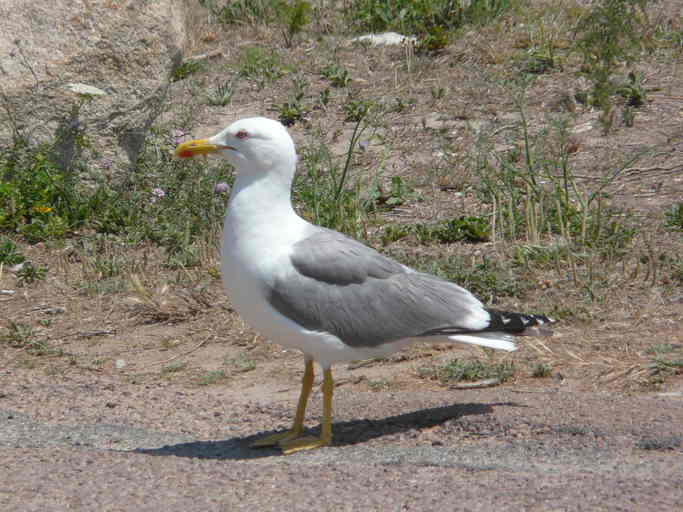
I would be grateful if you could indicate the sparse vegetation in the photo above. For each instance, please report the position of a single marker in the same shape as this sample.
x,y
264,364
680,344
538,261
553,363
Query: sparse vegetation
x,y
423,149
9,253
457,370
674,218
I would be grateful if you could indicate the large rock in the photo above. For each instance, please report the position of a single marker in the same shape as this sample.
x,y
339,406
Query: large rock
x,y
126,48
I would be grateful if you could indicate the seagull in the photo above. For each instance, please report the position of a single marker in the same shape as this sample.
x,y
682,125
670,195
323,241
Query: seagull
x,y
327,295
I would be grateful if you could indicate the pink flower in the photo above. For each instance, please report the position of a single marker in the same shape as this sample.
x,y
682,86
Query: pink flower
x,y
221,188
157,193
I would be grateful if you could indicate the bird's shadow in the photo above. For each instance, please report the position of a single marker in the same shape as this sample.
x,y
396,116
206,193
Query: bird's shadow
x,y
345,433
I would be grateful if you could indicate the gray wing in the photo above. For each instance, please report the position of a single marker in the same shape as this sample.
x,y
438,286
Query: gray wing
x,y
364,298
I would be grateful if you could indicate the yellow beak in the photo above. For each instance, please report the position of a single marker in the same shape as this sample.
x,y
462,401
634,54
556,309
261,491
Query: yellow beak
x,y
197,147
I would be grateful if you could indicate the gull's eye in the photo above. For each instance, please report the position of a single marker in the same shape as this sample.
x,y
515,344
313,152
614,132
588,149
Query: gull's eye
x,y
242,134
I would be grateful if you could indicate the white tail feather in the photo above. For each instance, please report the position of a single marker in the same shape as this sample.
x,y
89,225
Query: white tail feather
x,y
498,342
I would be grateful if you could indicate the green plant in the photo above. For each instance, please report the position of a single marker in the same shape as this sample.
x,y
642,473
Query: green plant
x,y
174,367
541,371
457,370
21,335
242,363
421,16
663,348
293,111
222,93
260,64
674,217
434,41
398,193
322,190
295,16
607,35
185,69
337,75
355,110
9,253
245,11
38,199
534,191
469,229
29,273
212,377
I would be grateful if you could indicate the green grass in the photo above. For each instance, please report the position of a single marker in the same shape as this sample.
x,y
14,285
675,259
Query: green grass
x,y
608,35
420,17
535,193
458,370
322,188
462,229
261,65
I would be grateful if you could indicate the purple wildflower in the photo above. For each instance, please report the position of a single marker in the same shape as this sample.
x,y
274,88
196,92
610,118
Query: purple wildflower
x,y
157,193
221,188
178,135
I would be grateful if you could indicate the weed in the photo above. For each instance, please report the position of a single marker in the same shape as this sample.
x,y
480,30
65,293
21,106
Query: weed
x,y
674,218
29,273
20,335
379,384
222,93
212,377
468,229
295,16
608,34
293,111
356,110
663,348
431,17
242,363
664,367
185,69
37,199
244,11
534,192
9,253
260,64
398,193
541,371
323,192
434,41
457,370
174,367
337,75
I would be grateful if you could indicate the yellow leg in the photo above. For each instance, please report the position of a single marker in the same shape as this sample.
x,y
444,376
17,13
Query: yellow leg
x,y
298,426
290,446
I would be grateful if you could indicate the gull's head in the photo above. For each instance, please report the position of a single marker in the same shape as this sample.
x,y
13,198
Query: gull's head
x,y
253,145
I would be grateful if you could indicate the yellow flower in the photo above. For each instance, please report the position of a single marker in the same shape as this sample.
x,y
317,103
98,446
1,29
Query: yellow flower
x,y
42,209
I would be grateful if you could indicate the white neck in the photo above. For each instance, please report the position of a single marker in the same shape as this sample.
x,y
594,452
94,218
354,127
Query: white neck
x,y
260,207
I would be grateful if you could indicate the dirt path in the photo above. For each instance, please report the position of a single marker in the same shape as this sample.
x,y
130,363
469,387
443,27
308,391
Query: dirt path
x,y
100,447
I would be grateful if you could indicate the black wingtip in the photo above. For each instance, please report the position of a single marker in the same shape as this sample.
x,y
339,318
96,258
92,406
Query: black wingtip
x,y
520,324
